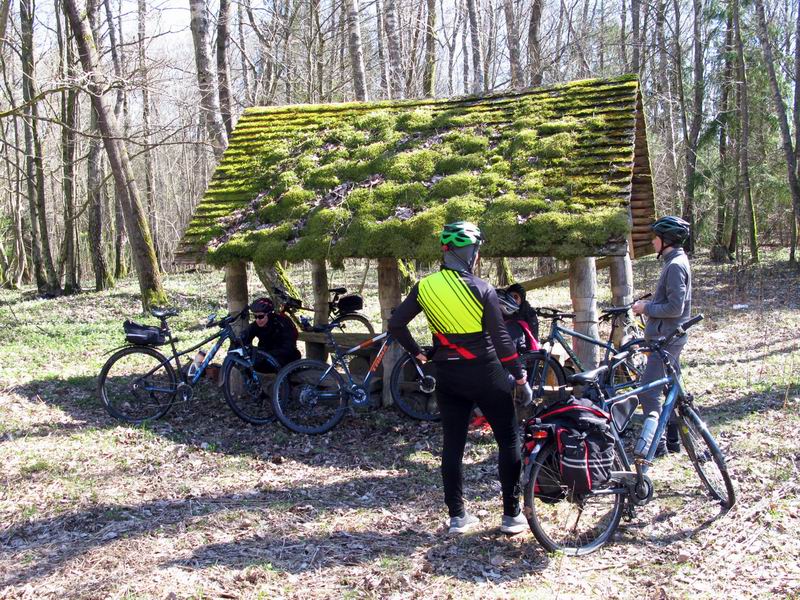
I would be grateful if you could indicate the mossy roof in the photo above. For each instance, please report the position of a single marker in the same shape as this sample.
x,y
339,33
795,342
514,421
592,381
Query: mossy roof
x,y
554,171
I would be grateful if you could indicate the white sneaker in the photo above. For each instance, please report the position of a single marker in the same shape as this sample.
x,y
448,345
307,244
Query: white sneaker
x,y
463,524
514,525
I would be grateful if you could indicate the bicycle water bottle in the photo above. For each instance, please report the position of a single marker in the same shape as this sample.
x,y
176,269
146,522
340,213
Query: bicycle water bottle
x,y
198,360
647,435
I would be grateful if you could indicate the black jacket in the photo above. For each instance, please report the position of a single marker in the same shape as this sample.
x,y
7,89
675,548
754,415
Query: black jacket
x,y
278,337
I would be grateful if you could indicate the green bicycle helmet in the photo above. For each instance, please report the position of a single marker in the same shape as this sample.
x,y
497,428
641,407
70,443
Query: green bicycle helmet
x,y
460,234
672,230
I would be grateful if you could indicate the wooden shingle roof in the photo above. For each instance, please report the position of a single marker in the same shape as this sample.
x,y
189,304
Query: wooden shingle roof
x,y
554,171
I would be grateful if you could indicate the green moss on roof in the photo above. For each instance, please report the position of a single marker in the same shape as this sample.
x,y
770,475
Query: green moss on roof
x,y
545,172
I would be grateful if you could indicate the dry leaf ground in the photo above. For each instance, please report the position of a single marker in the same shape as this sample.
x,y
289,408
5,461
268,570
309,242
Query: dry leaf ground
x,y
201,505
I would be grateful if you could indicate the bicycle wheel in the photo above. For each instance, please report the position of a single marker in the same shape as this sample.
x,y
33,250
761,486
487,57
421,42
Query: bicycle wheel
x,y
247,393
706,456
561,523
137,384
309,396
627,374
415,395
545,375
354,323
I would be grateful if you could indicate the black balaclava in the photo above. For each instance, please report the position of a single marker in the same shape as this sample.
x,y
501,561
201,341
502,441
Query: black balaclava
x,y
461,259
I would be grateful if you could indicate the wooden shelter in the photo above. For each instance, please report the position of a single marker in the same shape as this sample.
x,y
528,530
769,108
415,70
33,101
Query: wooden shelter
x,y
553,171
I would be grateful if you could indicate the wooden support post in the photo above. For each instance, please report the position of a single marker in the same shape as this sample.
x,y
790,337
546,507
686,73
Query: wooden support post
x,y
582,290
319,286
390,296
621,291
236,290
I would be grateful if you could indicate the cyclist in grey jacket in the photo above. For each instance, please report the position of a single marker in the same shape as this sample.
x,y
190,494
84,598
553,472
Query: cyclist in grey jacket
x,y
670,307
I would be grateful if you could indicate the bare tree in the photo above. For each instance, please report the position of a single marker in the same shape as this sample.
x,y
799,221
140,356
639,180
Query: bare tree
x,y
223,70
512,39
429,77
209,102
697,120
144,255
393,42
356,51
475,38
535,67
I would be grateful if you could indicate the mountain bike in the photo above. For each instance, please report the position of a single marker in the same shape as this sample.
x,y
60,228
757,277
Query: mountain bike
x,y
624,373
311,396
577,524
342,310
138,383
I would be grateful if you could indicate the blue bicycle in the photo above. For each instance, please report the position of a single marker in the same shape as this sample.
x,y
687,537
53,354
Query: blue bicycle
x,y
577,524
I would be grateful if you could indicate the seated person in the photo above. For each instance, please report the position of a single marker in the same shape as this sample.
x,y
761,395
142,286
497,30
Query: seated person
x,y
526,311
276,335
518,328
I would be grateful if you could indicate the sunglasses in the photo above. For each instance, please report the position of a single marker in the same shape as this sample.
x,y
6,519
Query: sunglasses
x,y
259,317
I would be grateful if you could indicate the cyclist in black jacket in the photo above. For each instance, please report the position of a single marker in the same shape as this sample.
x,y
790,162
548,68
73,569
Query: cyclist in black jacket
x,y
474,355
276,335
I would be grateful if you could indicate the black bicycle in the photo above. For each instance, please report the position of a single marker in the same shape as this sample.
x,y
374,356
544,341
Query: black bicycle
x,y
342,310
138,383
311,396
577,524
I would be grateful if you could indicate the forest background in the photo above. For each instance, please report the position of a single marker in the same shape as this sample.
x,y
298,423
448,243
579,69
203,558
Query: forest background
x,y
106,153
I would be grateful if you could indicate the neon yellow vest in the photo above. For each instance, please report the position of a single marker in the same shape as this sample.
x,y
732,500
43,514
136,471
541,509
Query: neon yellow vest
x,y
449,304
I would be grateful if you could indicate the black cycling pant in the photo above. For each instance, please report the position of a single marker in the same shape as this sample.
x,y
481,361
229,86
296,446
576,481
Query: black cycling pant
x,y
461,385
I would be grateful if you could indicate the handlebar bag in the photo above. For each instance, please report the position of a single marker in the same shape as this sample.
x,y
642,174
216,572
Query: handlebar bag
x,y
143,335
351,303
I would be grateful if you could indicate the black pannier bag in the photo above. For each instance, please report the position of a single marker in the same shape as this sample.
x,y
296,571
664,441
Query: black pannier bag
x,y
584,443
351,303
143,335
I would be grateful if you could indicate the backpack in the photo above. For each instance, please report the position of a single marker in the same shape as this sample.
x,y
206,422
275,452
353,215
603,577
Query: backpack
x,y
584,443
521,335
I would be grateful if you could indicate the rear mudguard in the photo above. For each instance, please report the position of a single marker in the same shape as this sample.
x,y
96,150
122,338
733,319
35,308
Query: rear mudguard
x,y
529,460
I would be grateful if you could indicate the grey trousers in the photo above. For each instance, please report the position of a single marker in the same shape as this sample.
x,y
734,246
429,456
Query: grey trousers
x,y
651,400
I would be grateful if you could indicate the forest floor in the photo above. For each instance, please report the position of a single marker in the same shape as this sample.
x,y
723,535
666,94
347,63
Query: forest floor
x,y
201,505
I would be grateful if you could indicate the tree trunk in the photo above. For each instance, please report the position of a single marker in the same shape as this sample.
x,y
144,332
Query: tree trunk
x,y
534,44
621,277
236,291
248,95
96,197
209,103
393,42
135,219
475,37
635,12
744,115
465,53
356,51
47,281
223,70
512,37
319,286
623,38
697,121
780,108
389,296
792,255
383,62
429,77
719,251
504,275
69,102
583,291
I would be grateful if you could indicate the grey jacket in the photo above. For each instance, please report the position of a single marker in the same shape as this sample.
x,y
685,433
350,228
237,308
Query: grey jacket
x,y
671,306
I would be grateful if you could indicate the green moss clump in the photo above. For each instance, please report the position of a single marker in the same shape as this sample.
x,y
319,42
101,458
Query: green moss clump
x,y
322,178
413,165
415,120
453,163
531,183
405,194
371,151
467,143
491,183
376,121
557,126
554,146
454,185
291,205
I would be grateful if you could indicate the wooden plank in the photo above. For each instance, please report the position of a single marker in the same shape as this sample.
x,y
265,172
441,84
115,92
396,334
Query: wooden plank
x,y
346,340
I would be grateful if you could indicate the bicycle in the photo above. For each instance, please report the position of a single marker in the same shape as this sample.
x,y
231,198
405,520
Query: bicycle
x,y
311,396
138,383
577,524
624,374
343,309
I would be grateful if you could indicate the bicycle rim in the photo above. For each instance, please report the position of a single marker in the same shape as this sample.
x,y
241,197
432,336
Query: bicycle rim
x,y
137,385
545,375
309,397
627,374
407,390
248,394
563,524
706,457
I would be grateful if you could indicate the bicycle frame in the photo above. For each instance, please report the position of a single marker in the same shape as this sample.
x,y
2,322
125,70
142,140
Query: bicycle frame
x,y
556,332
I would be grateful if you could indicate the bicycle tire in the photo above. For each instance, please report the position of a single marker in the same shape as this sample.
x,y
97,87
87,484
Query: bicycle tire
x,y
296,397
706,457
246,394
407,393
354,323
545,374
548,509
116,388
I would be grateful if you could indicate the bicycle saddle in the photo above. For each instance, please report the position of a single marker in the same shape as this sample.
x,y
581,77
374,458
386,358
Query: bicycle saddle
x,y
587,377
338,290
616,310
163,313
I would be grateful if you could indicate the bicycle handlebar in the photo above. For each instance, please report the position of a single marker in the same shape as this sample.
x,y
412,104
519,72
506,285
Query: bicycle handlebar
x,y
679,332
551,313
